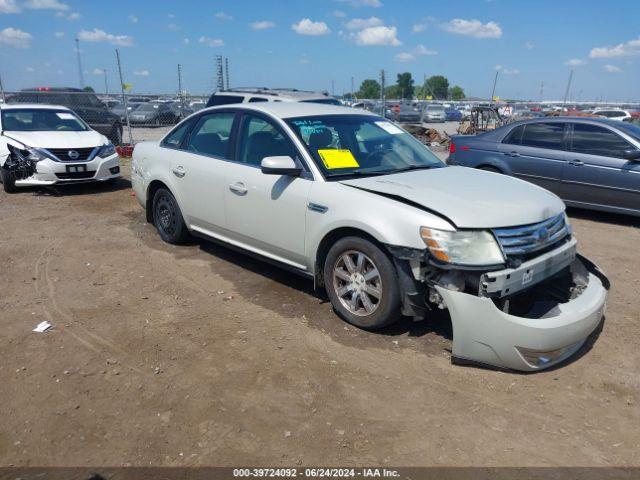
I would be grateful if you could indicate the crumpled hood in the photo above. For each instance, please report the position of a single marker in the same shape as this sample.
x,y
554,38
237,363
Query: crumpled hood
x,y
469,198
85,139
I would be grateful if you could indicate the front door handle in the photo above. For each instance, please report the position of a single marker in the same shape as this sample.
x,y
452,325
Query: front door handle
x,y
577,163
179,171
238,188
513,154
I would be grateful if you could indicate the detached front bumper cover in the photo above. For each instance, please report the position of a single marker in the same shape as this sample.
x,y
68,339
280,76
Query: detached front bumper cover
x,y
482,333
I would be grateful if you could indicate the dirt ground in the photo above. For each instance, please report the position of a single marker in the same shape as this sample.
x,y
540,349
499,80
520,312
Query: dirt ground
x,y
196,355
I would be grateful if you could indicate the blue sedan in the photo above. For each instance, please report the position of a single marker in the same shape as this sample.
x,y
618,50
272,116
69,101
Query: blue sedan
x,y
453,115
588,162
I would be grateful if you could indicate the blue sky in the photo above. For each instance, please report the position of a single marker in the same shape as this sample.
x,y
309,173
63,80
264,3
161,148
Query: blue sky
x,y
308,44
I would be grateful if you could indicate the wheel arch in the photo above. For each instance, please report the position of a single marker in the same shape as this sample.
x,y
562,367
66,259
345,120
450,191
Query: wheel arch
x,y
152,188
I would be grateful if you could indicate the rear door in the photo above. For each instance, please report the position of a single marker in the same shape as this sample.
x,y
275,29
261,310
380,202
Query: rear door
x,y
535,153
597,173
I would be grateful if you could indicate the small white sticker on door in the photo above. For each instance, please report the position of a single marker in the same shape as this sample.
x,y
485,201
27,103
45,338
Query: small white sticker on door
x,y
527,277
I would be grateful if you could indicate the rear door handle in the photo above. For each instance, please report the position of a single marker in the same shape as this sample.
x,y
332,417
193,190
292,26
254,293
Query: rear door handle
x,y
238,188
179,171
577,163
513,154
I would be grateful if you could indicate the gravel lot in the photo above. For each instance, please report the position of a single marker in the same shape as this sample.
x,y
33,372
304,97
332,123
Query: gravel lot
x,y
196,355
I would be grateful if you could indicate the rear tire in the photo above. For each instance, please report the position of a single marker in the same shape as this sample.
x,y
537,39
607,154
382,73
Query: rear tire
x,y
168,219
8,180
488,168
362,283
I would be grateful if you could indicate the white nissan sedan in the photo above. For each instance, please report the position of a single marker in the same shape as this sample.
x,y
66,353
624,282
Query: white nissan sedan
x,y
43,145
354,202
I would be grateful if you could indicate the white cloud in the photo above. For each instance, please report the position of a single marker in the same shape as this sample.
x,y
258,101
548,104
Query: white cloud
x,y
223,16
46,5
507,71
171,15
133,19
308,27
632,47
30,69
419,27
362,3
304,59
262,25
211,42
9,6
186,41
612,69
71,17
529,45
15,37
97,71
575,62
404,57
173,27
98,35
141,73
474,28
377,36
338,14
422,50
58,34
360,23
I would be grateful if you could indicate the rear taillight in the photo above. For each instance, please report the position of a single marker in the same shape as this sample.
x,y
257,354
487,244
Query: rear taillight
x,y
452,147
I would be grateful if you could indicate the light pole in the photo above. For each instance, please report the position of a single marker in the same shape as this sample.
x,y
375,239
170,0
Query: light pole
x,y
80,74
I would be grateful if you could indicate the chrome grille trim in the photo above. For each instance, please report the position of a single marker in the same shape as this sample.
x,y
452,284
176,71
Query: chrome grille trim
x,y
516,241
85,154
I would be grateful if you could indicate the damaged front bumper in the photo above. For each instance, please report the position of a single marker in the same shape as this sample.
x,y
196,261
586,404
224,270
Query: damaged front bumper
x,y
525,318
48,172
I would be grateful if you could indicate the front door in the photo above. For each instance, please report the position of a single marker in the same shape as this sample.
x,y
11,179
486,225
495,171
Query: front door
x,y
266,213
597,172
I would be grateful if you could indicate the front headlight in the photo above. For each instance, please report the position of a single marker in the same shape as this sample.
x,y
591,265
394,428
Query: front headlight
x,y
465,247
107,150
28,153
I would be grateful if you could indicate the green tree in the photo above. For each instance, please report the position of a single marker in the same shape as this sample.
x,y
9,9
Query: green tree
x,y
88,89
438,87
392,91
456,93
369,89
405,85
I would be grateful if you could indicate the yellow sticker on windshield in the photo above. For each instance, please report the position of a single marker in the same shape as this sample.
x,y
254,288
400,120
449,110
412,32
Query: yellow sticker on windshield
x,y
337,158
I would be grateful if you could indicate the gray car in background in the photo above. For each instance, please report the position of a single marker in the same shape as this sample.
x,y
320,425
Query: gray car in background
x,y
588,162
434,113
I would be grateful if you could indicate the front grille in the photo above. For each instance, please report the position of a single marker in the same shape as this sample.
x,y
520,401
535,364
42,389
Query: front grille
x,y
75,175
519,241
62,154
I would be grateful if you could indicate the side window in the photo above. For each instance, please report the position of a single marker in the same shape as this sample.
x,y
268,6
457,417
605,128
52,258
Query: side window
x,y
260,138
224,100
174,139
596,140
514,137
543,135
257,99
211,135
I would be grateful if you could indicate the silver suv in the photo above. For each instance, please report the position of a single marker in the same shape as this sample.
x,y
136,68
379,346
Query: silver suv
x,y
253,95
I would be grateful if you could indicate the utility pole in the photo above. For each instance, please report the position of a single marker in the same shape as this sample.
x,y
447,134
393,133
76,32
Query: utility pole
x,y
2,90
180,86
541,91
219,73
106,83
566,93
333,84
382,99
352,92
80,74
493,91
124,98
226,71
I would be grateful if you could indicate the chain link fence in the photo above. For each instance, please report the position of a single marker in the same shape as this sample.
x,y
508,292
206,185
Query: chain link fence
x,y
123,118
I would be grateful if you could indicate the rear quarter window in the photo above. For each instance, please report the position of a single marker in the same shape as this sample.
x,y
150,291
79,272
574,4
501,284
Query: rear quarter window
x,y
514,137
543,135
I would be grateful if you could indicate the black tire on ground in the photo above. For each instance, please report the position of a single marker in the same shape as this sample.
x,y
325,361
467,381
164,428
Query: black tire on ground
x,y
387,309
8,181
167,218
489,168
115,136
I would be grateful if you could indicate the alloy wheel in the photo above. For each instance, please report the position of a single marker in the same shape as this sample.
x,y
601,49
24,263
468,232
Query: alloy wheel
x,y
357,283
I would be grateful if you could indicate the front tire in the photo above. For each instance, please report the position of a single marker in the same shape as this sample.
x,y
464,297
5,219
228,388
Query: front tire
x,y
168,219
8,181
362,283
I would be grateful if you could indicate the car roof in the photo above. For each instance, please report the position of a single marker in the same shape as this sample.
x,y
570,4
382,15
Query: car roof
x,y
297,95
293,109
39,106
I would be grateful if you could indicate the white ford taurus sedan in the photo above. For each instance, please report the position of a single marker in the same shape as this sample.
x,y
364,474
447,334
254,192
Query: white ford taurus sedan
x,y
357,204
43,145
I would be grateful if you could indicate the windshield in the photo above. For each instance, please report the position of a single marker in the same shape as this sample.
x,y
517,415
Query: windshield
x,y
41,120
325,101
435,108
630,129
356,145
147,107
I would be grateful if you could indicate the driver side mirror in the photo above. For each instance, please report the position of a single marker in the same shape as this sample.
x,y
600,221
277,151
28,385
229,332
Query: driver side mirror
x,y
280,165
633,155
